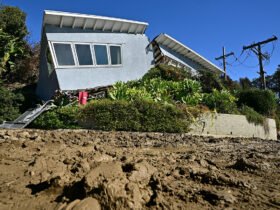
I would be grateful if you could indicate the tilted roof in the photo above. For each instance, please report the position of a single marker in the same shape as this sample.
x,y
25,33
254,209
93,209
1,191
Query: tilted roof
x,y
178,47
93,22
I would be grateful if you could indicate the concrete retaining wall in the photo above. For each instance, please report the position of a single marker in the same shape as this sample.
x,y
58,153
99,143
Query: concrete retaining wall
x,y
233,125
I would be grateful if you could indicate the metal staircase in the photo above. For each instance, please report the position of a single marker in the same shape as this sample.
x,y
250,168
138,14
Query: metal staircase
x,y
27,117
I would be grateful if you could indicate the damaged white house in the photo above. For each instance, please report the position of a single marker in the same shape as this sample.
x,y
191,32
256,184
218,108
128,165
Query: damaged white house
x,y
80,52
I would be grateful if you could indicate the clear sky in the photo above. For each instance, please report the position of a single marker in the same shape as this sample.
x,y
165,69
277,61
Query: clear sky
x,y
203,25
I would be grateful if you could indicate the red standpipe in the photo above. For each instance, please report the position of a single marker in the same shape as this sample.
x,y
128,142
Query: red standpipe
x,y
83,96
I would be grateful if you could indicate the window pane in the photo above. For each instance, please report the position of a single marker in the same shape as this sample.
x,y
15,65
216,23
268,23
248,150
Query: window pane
x,y
84,54
64,54
116,57
101,54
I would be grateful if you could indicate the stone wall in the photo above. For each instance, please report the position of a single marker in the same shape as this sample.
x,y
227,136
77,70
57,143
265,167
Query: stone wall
x,y
233,125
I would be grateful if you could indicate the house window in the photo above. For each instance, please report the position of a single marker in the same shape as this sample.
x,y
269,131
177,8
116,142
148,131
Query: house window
x,y
101,55
115,53
84,54
64,54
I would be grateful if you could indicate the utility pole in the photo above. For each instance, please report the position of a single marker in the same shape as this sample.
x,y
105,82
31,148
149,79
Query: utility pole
x,y
224,56
257,49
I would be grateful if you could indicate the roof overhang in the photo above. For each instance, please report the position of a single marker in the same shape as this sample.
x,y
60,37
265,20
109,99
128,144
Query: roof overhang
x,y
93,22
178,47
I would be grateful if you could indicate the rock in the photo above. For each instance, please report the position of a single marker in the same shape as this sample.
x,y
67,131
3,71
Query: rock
x,y
244,165
24,135
105,170
44,169
142,172
71,205
203,163
218,197
87,204
84,165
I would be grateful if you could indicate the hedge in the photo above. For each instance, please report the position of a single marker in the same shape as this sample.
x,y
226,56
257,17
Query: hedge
x,y
262,101
139,115
58,118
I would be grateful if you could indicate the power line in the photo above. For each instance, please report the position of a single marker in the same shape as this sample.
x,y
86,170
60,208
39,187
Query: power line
x,y
257,49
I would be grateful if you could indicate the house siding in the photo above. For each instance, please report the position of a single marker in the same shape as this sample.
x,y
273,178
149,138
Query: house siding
x,y
47,83
136,58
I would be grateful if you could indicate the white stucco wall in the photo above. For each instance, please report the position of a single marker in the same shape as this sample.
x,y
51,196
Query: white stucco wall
x,y
137,60
233,125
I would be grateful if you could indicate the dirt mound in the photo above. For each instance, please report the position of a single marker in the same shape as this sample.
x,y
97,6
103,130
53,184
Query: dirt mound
x,y
71,170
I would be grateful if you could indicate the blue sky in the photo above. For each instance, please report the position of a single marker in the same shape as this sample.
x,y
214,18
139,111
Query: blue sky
x,y
203,25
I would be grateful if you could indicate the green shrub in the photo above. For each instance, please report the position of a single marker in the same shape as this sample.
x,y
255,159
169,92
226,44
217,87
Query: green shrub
x,y
252,116
221,101
210,81
138,115
123,91
262,101
29,95
58,118
166,72
9,104
186,91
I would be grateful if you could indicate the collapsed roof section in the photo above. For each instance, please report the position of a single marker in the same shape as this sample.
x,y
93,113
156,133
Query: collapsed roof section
x,y
93,22
167,44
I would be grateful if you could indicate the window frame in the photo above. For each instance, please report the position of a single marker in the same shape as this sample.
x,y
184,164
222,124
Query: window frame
x,y
50,46
116,45
91,51
108,56
73,53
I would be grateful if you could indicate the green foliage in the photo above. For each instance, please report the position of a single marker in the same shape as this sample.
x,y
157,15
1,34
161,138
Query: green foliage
x,y
165,72
14,48
9,105
262,101
221,101
209,81
186,91
138,115
252,116
274,82
11,48
30,98
245,83
123,91
12,21
58,118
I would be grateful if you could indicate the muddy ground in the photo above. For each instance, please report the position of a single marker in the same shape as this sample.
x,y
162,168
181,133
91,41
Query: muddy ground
x,y
117,170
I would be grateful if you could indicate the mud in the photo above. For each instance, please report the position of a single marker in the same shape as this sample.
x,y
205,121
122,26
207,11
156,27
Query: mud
x,y
71,170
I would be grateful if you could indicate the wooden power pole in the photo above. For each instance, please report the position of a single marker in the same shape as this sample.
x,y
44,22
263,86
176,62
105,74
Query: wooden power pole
x,y
257,49
224,56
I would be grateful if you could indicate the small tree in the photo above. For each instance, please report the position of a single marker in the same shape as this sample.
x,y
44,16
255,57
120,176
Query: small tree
x,y
14,46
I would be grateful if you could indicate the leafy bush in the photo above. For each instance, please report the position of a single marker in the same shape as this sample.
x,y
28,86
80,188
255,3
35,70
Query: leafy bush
x,y
29,95
166,72
58,118
252,116
262,101
9,104
138,115
186,91
210,81
221,101
122,91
